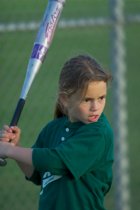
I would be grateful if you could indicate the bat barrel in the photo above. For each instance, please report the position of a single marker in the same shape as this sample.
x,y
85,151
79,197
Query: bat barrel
x,y
42,42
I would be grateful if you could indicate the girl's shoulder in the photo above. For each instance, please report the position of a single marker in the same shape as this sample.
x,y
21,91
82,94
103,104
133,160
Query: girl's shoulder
x,y
55,123
48,129
102,126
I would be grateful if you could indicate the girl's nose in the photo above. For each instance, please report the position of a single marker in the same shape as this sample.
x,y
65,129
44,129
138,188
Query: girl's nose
x,y
94,106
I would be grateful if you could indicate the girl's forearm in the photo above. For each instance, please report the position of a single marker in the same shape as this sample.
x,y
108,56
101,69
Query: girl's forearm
x,y
26,169
23,157
20,154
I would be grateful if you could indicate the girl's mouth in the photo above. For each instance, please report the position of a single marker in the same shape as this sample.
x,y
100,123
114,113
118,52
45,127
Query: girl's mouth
x,y
93,118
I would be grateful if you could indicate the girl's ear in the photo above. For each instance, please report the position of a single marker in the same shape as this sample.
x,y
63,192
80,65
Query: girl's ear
x,y
64,100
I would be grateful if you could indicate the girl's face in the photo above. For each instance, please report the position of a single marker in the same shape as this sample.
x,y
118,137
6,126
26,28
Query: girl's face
x,y
90,107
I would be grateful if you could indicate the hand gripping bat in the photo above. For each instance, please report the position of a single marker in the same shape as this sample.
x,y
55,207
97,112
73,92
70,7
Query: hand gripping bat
x,y
39,51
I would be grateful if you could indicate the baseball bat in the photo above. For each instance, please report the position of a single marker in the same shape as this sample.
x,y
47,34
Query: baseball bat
x,y
39,51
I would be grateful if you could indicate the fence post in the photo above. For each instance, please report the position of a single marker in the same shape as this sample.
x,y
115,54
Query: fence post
x,y
118,65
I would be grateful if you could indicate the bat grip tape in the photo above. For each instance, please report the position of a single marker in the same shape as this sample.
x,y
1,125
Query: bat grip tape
x,y
17,112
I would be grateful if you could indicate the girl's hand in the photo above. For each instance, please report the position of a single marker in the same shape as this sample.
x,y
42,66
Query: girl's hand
x,y
10,134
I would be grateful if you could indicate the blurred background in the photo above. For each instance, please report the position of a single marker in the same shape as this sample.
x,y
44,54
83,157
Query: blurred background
x,y
87,29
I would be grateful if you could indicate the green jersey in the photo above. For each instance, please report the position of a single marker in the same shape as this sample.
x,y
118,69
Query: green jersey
x,y
73,164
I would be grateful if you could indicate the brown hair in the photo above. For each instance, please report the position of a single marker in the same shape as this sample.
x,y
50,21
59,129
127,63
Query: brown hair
x,y
76,74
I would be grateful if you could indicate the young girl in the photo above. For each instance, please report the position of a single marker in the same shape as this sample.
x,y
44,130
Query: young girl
x,y
73,154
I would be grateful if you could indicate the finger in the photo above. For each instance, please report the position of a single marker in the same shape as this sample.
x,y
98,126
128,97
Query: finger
x,y
15,129
4,139
5,136
7,128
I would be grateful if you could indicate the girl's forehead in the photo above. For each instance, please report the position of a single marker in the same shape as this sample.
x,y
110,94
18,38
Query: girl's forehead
x,y
95,89
92,89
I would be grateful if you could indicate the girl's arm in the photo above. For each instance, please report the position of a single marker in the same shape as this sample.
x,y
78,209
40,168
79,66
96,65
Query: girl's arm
x,y
26,169
22,156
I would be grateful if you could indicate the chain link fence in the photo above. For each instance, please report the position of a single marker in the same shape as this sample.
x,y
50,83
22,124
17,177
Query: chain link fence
x,y
84,27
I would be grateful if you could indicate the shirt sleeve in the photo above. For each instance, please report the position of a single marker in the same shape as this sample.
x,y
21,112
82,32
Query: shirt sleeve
x,y
77,155
46,159
35,178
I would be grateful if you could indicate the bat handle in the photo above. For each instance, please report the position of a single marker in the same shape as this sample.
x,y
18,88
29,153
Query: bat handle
x,y
17,112
14,122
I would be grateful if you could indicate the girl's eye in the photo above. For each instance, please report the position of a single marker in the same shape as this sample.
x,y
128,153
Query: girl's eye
x,y
101,98
87,99
90,99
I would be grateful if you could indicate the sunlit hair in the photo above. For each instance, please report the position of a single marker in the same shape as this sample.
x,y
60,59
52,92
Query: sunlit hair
x,y
75,76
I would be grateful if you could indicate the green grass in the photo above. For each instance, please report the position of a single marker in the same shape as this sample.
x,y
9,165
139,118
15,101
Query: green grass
x,y
26,10
14,10
133,63
15,51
